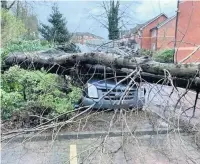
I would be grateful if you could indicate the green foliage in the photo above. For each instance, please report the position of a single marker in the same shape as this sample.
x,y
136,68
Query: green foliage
x,y
11,27
164,56
24,46
22,89
144,52
9,103
22,11
113,20
44,42
57,32
69,48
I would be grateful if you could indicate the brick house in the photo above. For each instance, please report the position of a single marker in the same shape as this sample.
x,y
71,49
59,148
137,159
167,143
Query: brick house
x,y
180,32
145,31
163,35
84,37
142,32
187,32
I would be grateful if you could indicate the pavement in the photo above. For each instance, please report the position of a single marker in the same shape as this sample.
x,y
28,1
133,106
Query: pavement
x,y
96,125
152,149
161,100
145,143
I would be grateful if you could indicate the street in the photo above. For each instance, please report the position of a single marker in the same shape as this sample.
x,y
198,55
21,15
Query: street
x,y
156,149
162,100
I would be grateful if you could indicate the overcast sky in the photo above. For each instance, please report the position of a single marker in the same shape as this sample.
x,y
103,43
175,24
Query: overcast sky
x,y
78,13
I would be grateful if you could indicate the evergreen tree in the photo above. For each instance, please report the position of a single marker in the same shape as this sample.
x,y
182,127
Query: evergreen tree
x,y
113,20
57,32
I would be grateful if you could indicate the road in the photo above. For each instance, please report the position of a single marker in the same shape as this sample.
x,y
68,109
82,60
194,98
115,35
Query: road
x,y
161,98
156,149
151,148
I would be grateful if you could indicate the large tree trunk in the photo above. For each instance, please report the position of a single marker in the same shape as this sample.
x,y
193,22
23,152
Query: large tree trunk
x,y
183,75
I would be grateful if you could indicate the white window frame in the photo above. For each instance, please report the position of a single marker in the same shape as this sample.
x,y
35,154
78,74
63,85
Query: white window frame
x,y
153,33
153,46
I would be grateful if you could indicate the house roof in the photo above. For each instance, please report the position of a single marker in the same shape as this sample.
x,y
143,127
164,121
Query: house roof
x,y
166,21
86,34
141,26
136,28
153,19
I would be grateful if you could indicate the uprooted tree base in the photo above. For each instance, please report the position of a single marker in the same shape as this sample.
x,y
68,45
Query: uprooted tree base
x,y
178,75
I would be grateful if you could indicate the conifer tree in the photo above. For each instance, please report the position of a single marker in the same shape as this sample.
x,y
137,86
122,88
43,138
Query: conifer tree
x,y
57,32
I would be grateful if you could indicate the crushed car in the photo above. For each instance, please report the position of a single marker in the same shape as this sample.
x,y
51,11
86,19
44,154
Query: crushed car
x,y
106,94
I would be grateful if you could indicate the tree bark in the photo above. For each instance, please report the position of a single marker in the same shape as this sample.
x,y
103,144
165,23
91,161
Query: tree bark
x,y
183,75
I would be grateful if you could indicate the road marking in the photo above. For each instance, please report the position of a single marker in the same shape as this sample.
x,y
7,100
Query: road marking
x,y
73,155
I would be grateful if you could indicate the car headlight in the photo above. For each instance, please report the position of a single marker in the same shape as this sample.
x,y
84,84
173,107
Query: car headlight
x,y
92,91
141,92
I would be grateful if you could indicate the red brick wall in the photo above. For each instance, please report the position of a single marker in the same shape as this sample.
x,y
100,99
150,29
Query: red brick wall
x,y
146,33
188,30
182,53
166,35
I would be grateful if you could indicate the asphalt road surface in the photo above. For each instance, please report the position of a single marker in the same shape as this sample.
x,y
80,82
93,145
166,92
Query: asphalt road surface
x,y
163,98
156,149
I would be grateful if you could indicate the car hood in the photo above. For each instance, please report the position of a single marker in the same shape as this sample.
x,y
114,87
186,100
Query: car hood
x,y
103,84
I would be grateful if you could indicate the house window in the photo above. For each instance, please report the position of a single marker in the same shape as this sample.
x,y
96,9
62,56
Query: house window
x,y
153,33
153,46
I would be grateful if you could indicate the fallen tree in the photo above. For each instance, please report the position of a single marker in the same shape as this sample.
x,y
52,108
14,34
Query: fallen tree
x,y
184,75
179,75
